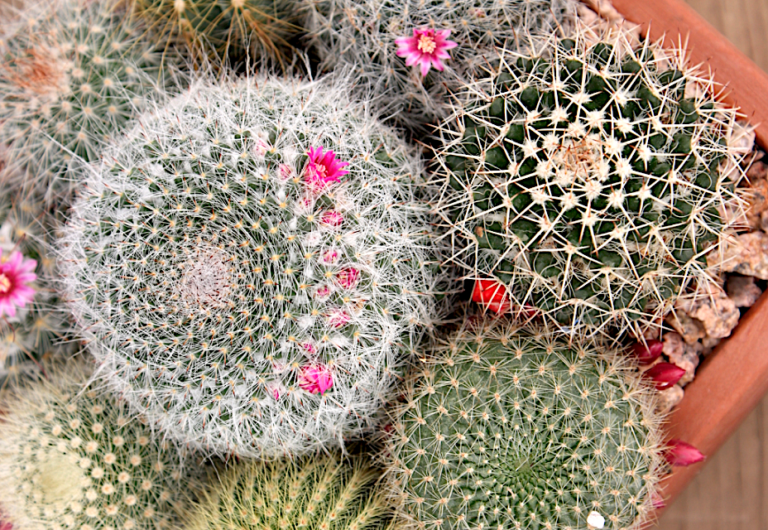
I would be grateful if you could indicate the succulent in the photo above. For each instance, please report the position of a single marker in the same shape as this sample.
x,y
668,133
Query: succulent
x,y
316,493
237,284
75,71
71,458
518,428
589,183
363,35
227,29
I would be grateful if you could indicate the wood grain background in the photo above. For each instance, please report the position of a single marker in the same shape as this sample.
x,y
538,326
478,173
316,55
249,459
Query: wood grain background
x,y
731,493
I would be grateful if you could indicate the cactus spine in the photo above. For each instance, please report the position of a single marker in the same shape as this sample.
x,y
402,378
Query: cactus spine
x,y
514,428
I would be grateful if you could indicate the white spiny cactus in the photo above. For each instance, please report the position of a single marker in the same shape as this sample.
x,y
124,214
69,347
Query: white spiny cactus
x,y
235,284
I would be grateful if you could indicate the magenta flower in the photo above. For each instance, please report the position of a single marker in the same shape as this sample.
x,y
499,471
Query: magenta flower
x,y
315,379
680,453
427,47
323,292
330,257
332,218
338,318
323,169
15,274
348,278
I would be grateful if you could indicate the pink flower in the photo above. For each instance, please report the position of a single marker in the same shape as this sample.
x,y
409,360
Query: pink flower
x,y
348,278
338,318
330,257
427,47
315,379
664,375
275,389
309,348
332,218
259,148
648,352
323,292
323,169
15,274
285,171
680,453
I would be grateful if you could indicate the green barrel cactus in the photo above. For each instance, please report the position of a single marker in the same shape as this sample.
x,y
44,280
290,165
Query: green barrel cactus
x,y
237,284
316,493
518,428
74,72
70,458
589,183
365,36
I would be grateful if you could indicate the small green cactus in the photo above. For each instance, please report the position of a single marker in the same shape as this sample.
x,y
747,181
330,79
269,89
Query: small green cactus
x,y
238,285
72,459
231,30
514,428
316,493
589,183
74,72
362,35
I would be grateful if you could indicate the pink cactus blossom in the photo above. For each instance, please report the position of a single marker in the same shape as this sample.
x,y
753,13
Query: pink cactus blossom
x,y
664,375
427,47
15,275
348,278
315,379
332,218
648,352
309,348
285,171
680,453
259,148
330,257
323,169
338,318
323,292
275,389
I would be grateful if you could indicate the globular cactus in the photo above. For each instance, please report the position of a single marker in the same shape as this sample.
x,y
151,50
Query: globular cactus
x,y
70,458
369,37
518,428
589,183
316,493
224,30
251,263
75,72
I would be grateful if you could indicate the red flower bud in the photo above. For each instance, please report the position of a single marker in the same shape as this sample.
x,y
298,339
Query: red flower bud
x,y
664,375
492,295
648,352
680,453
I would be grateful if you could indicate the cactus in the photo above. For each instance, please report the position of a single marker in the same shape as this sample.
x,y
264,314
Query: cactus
x,y
229,29
363,35
238,285
70,458
589,183
317,493
75,72
518,428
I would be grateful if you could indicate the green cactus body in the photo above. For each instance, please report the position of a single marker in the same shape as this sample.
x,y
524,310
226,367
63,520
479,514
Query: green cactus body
x,y
361,35
240,308
233,30
512,428
75,72
589,183
316,493
71,459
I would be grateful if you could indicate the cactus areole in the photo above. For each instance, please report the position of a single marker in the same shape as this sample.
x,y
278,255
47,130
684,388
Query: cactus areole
x,y
247,289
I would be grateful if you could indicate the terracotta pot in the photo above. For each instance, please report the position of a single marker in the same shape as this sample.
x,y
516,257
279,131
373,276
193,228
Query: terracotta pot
x,y
734,377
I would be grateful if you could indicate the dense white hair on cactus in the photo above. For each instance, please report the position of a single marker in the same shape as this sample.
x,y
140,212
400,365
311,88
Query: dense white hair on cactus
x,y
592,178
221,294
361,34
71,457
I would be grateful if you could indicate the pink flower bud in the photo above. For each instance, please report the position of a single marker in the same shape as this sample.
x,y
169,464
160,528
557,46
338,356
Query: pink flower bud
x,y
259,148
338,318
332,218
330,257
309,348
323,292
658,501
680,453
315,379
285,171
348,278
275,389
648,352
664,375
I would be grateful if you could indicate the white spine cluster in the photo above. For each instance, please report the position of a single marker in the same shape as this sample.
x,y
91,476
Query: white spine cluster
x,y
361,34
208,278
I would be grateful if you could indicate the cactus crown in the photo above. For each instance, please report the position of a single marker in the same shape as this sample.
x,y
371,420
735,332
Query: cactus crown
x,y
242,287
589,182
362,35
75,71
316,493
513,428
72,459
